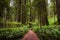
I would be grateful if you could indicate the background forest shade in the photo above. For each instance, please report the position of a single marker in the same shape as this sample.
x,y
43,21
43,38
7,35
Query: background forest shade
x,y
19,16
16,13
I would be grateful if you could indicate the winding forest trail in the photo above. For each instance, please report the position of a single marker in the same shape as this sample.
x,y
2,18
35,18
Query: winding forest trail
x,y
30,36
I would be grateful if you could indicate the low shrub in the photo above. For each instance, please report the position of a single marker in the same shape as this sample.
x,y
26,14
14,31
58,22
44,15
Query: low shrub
x,y
12,33
48,32
44,33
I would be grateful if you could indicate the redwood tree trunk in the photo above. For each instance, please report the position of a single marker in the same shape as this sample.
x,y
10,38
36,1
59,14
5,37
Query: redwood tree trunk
x,y
43,13
58,10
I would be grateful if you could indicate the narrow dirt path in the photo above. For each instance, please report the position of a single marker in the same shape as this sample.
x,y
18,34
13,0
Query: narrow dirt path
x,y
30,36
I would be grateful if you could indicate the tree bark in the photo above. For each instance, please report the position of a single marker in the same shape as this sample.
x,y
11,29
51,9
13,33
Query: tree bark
x,y
58,10
24,21
43,13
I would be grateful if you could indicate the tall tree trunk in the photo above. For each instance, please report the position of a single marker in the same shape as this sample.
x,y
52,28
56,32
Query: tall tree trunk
x,y
43,13
24,21
19,11
30,14
4,7
1,19
58,10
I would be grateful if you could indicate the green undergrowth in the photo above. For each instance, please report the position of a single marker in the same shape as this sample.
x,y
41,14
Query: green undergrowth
x,y
44,33
52,20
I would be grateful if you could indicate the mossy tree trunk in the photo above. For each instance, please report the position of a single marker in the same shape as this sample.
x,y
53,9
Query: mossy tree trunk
x,y
17,10
24,15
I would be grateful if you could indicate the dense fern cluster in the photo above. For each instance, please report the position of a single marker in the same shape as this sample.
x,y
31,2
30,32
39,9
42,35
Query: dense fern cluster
x,y
44,33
